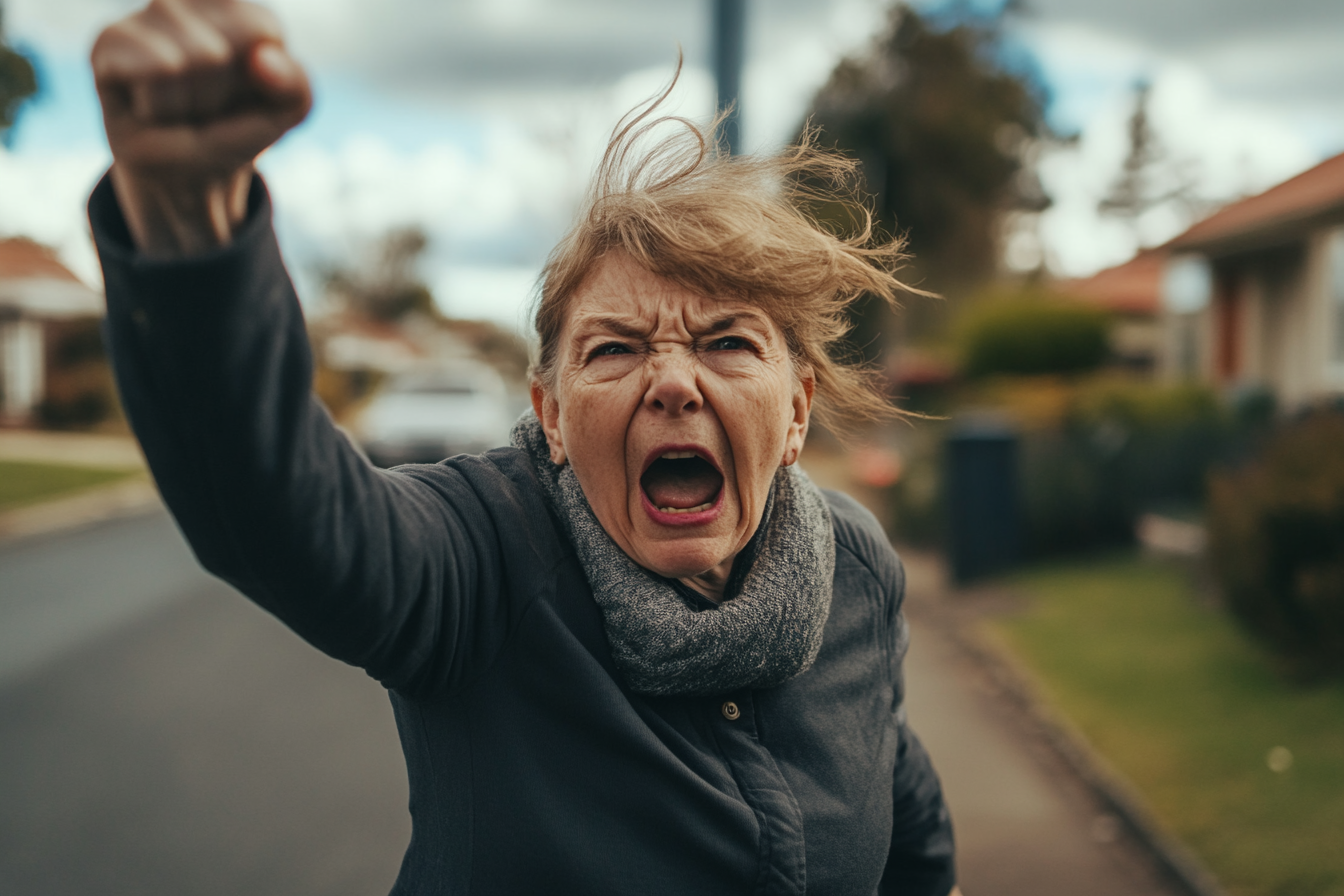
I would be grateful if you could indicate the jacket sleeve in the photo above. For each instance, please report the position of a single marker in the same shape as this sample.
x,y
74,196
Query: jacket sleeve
x,y
399,573
922,857
920,860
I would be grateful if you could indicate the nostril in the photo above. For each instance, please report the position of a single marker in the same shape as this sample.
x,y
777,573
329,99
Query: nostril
x,y
673,396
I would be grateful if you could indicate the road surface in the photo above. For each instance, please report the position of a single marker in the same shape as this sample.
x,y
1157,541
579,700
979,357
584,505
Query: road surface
x,y
159,735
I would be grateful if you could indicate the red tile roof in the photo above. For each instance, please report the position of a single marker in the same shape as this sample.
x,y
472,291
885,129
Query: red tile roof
x,y
1134,287
1316,191
23,259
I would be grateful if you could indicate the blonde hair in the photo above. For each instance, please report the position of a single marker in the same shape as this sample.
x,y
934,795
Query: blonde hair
x,y
743,227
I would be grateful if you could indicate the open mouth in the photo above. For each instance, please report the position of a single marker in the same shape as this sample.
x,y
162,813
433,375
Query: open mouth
x,y
681,482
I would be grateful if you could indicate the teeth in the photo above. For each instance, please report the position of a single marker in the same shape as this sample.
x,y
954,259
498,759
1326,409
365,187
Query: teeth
x,y
704,506
677,455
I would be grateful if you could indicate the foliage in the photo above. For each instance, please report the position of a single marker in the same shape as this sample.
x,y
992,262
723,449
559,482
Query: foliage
x,y
25,482
1122,449
79,391
343,392
944,126
389,289
1149,177
18,81
917,512
497,346
1276,529
1167,690
1031,333
1094,454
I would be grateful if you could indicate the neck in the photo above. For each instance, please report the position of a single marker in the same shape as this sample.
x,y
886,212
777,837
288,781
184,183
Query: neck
x,y
712,582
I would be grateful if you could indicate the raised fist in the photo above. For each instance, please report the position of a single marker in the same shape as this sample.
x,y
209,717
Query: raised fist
x,y
192,92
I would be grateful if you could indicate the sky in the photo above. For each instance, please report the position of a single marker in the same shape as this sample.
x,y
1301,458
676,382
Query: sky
x,y
480,120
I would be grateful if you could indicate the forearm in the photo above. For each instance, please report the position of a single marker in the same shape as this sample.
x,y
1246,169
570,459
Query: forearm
x,y
922,856
172,219
213,364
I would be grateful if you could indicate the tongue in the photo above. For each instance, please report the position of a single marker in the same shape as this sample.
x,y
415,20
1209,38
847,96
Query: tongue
x,y
681,483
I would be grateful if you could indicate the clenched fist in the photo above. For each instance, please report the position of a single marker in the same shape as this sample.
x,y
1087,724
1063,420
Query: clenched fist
x,y
192,92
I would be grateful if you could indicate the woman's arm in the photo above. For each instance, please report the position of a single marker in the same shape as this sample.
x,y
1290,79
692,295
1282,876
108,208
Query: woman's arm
x,y
387,571
192,92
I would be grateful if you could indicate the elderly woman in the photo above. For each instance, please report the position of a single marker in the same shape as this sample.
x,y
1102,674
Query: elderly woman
x,y
637,652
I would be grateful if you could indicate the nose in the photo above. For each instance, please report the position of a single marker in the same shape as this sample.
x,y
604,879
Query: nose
x,y
672,388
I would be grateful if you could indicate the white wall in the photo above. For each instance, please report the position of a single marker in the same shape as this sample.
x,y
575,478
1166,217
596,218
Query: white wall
x,y
21,367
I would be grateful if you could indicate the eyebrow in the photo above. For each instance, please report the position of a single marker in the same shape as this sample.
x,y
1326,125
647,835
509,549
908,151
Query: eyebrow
x,y
630,331
617,326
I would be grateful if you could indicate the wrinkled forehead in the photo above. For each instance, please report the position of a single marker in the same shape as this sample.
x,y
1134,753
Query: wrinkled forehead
x,y
619,293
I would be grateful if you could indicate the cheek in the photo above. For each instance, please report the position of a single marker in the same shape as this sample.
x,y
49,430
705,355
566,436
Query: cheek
x,y
597,404
607,370
757,420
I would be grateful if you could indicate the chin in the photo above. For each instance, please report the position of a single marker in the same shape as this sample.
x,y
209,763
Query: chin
x,y
681,562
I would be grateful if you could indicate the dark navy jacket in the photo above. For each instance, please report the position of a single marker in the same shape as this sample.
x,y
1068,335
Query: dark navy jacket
x,y
533,769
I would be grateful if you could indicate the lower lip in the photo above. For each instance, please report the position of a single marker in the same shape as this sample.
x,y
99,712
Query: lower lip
x,y
698,518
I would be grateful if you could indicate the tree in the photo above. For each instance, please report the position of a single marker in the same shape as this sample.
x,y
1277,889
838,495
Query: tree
x,y
389,289
18,80
944,125
1149,177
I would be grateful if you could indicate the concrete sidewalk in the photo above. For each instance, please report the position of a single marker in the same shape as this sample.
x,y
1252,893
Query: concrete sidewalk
x,y
1026,824
74,448
128,497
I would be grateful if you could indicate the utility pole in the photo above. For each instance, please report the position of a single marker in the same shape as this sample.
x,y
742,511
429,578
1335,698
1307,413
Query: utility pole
x,y
729,49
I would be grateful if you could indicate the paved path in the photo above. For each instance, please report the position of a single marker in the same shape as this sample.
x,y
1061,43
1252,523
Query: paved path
x,y
175,739
77,448
1025,826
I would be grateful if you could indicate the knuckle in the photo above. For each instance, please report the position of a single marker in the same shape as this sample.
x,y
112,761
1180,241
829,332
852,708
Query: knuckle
x,y
169,59
262,20
205,46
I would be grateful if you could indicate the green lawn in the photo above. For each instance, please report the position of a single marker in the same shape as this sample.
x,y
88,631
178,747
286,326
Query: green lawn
x,y
1178,700
26,482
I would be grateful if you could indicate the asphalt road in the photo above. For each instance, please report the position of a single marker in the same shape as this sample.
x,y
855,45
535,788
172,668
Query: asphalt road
x,y
159,735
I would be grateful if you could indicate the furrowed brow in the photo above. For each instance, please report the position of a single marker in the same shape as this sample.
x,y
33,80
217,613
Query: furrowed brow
x,y
749,320
614,325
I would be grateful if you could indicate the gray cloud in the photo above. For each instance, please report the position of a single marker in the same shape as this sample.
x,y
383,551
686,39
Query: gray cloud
x,y
1188,24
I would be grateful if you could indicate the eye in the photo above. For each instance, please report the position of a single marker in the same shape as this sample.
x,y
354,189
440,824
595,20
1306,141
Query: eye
x,y
610,348
729,344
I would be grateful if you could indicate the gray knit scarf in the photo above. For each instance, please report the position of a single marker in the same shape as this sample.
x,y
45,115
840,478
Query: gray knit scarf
x,y
667,641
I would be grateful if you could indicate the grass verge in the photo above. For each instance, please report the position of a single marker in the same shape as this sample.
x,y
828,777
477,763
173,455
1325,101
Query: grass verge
x,y
1194,715
26,482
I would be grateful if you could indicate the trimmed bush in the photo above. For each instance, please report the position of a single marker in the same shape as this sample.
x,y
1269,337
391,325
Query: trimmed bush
x,y
1276,544
1094,455
1030,334
1119,450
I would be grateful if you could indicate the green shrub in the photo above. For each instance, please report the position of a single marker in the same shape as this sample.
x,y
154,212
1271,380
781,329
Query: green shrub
x,y
1123,449
1276,544
1093,456
1030,334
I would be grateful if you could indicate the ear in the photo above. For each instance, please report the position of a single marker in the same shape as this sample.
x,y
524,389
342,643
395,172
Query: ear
x,y
548,412
805,385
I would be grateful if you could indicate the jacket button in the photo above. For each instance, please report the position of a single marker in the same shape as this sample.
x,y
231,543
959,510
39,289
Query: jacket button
x,y
730,711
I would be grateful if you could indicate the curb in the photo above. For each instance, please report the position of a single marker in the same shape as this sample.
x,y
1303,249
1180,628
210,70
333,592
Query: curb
x,y
1112,790
122,499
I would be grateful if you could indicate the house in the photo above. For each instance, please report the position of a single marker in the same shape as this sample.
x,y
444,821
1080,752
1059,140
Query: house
x,y
37,294
1254,293
1131,293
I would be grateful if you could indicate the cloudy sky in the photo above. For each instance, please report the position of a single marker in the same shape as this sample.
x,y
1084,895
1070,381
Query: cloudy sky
x,y
479,120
